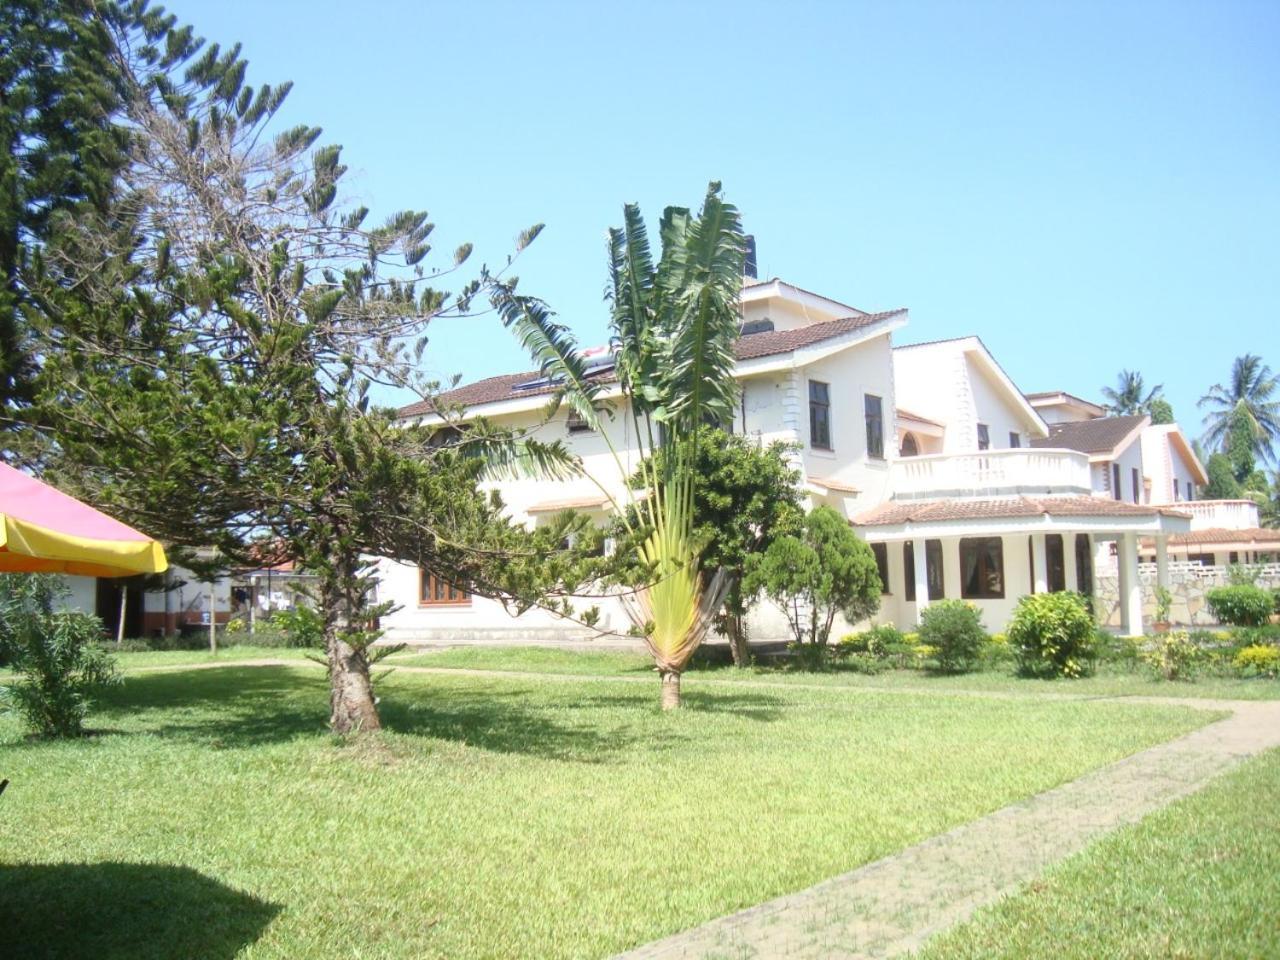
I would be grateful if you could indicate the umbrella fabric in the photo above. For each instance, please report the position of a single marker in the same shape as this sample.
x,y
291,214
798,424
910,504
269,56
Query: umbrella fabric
x,y
46,531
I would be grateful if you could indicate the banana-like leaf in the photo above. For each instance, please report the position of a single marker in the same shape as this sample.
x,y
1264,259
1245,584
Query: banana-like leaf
x,y
553,347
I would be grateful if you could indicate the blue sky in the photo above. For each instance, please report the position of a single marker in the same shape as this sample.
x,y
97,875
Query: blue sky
x,y
1087,186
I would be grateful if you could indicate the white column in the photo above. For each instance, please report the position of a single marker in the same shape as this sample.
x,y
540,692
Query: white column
x,y
1069,560
1040,557
1162,561
1130,585
922,577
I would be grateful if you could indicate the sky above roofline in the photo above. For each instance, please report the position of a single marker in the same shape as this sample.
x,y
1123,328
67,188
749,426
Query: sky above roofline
x,y
1087,187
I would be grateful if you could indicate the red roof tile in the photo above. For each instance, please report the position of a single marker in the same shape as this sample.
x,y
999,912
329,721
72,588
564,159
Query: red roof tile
x,y
1259,535
1100,435
750,347
931,511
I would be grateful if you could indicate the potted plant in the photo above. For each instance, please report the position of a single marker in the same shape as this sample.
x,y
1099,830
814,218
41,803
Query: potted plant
x,y
1164,600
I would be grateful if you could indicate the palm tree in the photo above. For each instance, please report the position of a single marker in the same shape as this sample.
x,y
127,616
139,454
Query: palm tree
x,y
673,326
1244,404
1128,398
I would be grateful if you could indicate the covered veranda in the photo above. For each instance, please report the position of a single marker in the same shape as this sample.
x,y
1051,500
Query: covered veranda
x,y
994,551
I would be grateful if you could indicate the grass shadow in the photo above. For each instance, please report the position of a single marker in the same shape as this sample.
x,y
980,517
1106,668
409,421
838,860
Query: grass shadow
x,y
245,707
125,911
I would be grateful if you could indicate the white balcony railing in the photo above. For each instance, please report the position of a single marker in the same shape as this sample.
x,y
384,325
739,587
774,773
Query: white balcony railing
x,y
1219,514
990,473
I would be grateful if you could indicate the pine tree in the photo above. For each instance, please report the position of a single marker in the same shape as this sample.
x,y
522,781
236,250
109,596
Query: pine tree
x,y
208,340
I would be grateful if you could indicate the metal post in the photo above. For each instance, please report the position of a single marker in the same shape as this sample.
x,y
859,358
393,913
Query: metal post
x,y
124,597
213,621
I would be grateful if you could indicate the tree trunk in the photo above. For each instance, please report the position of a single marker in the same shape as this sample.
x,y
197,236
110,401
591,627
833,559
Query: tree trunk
x,y
737,633
670,690
735,620
352,707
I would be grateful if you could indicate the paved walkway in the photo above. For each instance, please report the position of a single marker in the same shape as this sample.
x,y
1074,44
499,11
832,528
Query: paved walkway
x,y
893,905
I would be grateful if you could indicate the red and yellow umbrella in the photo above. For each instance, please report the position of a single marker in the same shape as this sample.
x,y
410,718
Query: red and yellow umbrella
x,y
42,530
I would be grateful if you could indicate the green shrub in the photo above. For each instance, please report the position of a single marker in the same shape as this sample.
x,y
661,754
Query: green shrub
x,y
301,626
1242,605
1258,660
1119,651
1275,592
57,655
877,641
953,628
1164,603
1052,635
995,652
809,657
1173,656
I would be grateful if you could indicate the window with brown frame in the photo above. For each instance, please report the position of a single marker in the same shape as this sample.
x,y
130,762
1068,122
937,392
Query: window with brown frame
x,y
1084,565
981,568
873,411
819,415
882,564
435,592
1056,562
932,567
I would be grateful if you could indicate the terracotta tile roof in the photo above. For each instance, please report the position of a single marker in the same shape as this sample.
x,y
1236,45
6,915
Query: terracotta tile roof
x,y
837,485
555,506
908,415
775,342
931,511
1090,436
1259,535
750,347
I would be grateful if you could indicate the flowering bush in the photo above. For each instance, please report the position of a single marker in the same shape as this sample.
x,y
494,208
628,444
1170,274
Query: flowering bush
x,y
1259,660
1052,635
1173,656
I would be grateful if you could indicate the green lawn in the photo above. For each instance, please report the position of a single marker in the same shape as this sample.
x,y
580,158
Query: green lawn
x,y
1109,681
213,817
1199,879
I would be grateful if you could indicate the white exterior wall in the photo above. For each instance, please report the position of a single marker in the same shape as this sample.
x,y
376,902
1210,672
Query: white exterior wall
x,y
1165,464
1129,459
993,409
852,375
942,381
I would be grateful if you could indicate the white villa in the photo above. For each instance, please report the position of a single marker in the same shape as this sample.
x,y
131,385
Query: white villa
x,y
963,485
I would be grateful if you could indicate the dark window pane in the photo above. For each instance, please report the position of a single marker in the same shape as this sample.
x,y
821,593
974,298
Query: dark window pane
x,y
1015,441
882,564
933,569
1056,562
1137,486
1115,481
909,571
1084,565
984,437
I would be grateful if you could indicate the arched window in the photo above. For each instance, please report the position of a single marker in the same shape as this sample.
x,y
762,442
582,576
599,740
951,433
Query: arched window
x,y
909,446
